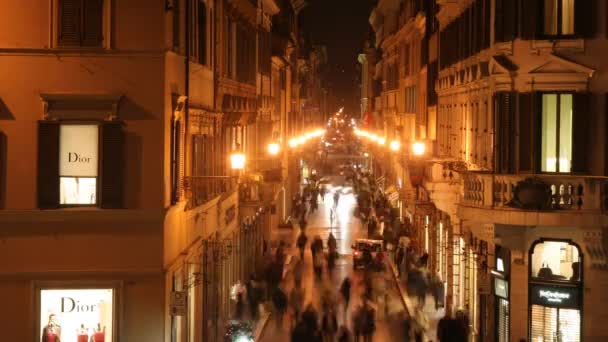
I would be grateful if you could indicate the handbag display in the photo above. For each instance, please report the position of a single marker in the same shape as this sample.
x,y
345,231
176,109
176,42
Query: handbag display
x,y
545,271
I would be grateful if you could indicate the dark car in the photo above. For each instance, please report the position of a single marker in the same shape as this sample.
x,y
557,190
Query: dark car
x,y
365,252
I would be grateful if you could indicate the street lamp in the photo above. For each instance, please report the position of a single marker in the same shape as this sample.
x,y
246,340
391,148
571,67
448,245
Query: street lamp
x,y
274,149
395,145
293,142
381,141
418,148
237,160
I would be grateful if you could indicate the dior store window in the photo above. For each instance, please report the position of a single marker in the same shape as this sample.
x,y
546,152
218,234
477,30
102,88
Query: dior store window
x,y
77,315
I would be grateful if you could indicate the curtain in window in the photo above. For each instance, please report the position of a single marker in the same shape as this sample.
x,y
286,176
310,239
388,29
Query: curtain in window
x,y
550,20
568,16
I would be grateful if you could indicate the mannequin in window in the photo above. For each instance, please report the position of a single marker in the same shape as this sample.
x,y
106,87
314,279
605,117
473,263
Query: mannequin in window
x,y
52,331
82,334
99,335
576,271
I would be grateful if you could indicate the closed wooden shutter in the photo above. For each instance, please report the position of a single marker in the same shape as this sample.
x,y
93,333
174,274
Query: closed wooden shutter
x,y
3,153
531,19
48,165
581,119
585,18
70,19
93,23
112,165
504,109
528,132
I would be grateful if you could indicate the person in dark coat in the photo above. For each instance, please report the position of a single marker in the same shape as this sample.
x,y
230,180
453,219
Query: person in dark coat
x,y
345,292
279,299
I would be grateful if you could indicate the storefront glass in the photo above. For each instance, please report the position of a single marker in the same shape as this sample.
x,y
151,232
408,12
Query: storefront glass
x,y
78,149
555,292
76,315
555,261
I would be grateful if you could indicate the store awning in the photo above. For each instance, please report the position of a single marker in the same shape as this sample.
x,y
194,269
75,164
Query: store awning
x,y
239,118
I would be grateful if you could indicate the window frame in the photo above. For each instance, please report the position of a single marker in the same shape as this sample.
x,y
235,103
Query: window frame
x,y
557,128
106,28
559,19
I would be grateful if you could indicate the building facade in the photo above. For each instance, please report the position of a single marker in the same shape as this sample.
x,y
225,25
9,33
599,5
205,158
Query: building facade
x,y
117,162
512,189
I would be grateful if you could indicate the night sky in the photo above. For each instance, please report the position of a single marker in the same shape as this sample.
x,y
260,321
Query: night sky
x,y
341,25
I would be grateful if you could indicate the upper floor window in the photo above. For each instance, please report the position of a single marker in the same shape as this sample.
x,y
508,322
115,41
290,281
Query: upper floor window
x,y
556,150
80,164
80,23
558,17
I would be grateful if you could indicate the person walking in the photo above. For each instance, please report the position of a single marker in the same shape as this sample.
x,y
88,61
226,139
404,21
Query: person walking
x,y
369,321
336,198
301,243
279,299
343,334
329,325
296,299
345,292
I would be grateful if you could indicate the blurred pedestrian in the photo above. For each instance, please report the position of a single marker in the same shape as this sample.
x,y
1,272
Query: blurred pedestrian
x,y
296,299
336,198
301,242
343,334
279,299
345,292
369,321
329,325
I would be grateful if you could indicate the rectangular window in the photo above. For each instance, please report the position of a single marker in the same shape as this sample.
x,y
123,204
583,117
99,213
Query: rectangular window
x,y
558,17
74,315
202,32
556,137
78,158
80,23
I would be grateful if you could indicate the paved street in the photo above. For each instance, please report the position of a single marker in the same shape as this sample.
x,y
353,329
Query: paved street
x,y
346,230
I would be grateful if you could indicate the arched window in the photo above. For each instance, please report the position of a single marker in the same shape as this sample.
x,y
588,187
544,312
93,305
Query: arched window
x,y
555,261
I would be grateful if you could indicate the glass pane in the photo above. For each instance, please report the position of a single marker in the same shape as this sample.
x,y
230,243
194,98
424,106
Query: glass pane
x,y
553,260
77,190
550,23
78,149
569,325
565,132
544,324
549,134
76,315
568,16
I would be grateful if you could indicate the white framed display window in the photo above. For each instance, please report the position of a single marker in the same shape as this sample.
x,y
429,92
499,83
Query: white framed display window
x,y
77,314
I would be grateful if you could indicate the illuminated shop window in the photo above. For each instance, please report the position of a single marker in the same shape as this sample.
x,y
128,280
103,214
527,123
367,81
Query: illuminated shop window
x,y
555,324
559,17
556,261
75,315
78,160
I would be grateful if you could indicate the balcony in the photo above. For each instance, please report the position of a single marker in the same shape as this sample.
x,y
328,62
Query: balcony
x,y
201,189
536,200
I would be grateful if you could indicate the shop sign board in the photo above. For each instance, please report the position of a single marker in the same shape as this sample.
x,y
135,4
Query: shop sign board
x,y
78,149
501,288
554,296
179,303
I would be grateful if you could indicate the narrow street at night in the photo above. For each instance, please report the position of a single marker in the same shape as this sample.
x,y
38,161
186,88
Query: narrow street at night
x,y
346,230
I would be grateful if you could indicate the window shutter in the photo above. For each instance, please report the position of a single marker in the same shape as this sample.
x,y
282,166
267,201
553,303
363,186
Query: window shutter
x,y
112,165
48,165
528,133
93,23
585,18
581,118
531,19
510,19
70,13
504,109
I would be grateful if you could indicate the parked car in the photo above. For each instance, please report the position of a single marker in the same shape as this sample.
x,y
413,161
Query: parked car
x,y
365,252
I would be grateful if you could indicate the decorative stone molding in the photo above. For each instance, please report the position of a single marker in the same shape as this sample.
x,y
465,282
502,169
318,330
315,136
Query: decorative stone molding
x,y
61,106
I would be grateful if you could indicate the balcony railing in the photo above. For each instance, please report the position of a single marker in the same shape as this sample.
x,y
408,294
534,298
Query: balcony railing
x,y
201,189
539,192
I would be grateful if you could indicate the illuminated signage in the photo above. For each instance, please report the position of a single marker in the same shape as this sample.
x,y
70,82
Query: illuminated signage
x,y
566,297
78,149
501,288
500,266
